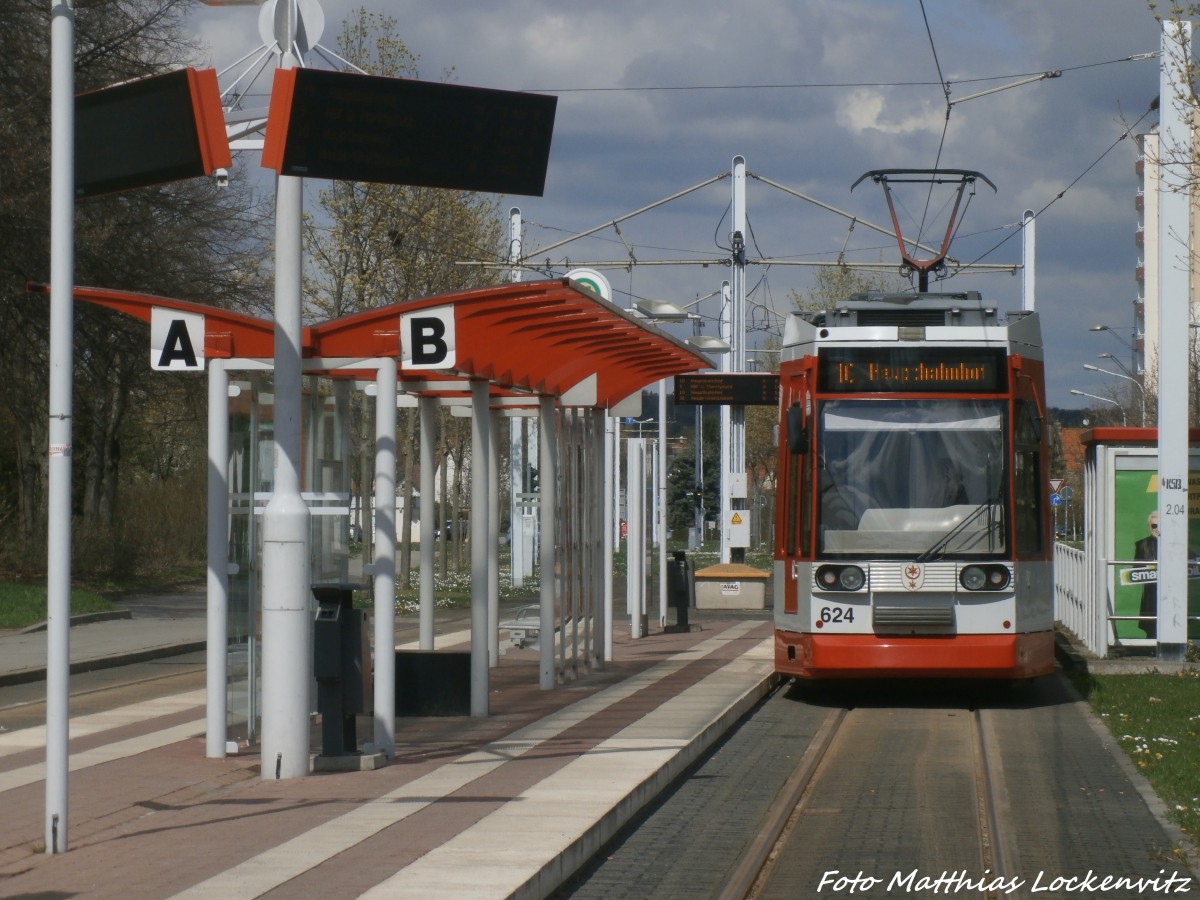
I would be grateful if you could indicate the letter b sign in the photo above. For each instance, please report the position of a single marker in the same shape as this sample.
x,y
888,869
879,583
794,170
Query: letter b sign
x,y
427,339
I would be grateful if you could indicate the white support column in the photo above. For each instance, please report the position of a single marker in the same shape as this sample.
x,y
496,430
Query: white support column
x,y
286,608
736,481
427,407
516,480
62,367
515,253
480,492
1029,255
1174,281
493,544
547,511
384,572
609,514
635,536
597,537
660,493
217,647
723,482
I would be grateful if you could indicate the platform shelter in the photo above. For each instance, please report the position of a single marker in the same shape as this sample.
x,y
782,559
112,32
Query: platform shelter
x,y
1107,593
550,349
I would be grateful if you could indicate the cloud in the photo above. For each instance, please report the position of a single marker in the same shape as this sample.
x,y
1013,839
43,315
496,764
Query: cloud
x,y
844,86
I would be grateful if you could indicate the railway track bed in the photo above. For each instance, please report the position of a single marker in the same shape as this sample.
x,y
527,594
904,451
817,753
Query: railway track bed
x,y
893,789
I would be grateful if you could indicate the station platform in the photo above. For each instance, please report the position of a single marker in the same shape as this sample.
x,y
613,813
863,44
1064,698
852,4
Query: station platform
x,y
503,806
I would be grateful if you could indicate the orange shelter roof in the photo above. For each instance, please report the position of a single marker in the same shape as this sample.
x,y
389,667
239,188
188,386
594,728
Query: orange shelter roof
x,y
542,337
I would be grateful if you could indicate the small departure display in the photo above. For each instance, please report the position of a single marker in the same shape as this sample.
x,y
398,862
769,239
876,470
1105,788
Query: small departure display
x,y
846,370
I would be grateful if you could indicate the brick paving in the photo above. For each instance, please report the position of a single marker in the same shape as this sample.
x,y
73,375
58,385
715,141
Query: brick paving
x,y
493,806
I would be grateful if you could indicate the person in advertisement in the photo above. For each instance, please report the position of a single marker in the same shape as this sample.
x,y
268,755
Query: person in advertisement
x,y
1147,549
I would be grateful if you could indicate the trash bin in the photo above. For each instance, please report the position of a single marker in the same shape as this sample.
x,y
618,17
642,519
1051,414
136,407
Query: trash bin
x,y
679,590
342,666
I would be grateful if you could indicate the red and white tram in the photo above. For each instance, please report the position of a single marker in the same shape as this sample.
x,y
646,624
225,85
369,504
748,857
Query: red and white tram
x,y
913,529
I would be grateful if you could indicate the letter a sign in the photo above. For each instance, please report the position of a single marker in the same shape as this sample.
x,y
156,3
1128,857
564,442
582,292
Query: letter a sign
x,y
176,340
427,339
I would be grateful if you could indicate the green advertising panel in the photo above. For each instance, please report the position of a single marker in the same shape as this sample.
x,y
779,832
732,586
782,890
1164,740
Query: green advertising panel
x,y
1135,589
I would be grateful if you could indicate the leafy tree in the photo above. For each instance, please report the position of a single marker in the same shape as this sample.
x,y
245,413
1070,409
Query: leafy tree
x,y
681,476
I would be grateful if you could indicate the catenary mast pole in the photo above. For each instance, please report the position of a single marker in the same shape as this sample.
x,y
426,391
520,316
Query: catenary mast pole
x,y
287,642
62,353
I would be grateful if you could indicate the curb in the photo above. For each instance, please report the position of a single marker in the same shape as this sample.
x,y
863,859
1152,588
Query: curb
x,y
558,870
25,676
1074,658
84,619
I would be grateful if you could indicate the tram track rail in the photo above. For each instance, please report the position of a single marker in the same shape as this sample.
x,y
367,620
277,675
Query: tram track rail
x,y
754,875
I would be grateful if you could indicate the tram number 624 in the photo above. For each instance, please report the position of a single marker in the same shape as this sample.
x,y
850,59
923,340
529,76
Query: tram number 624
x,y
836,614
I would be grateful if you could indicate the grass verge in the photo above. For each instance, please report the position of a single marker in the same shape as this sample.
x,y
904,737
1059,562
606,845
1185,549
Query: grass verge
x,y
1156,719
22,605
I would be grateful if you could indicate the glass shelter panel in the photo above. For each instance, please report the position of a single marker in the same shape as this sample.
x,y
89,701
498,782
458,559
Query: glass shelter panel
x,y
326,488
904,477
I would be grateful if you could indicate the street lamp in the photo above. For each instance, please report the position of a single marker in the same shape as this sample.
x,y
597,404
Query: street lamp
x,y
660,310
1129,378
1129,345
1124,421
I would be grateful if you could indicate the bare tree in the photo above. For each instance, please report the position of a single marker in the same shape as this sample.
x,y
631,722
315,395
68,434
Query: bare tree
x,y
377,244
190,240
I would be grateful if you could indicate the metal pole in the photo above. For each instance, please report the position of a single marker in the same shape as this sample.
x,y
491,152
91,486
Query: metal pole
x,y
493,544
385,557
660,491
1029,252
62,353
480,491
547,510
286,613
1174,280
218,559
724,430
635,540
516,503
737,414
515,250
611,426
427,407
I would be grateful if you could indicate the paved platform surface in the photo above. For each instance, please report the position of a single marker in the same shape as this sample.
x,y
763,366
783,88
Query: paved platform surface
x,y
503,806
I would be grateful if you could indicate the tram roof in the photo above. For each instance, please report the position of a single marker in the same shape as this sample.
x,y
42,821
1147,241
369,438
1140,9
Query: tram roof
x,y
538,337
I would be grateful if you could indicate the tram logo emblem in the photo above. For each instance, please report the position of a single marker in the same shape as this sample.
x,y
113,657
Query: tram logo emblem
x,y
912,576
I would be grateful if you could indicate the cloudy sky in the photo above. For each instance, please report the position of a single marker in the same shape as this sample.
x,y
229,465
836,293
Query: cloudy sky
x,y
657,97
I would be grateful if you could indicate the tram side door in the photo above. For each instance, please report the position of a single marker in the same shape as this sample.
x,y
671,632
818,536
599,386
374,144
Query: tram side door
x,y
794,528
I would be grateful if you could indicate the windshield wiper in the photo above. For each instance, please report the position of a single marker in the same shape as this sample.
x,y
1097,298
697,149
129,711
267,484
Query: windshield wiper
x,y
938,550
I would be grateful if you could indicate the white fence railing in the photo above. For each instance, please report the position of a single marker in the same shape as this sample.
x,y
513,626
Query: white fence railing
x,y
1074,600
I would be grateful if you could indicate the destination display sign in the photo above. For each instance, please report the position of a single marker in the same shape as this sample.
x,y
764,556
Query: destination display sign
x,y
728,389
853,370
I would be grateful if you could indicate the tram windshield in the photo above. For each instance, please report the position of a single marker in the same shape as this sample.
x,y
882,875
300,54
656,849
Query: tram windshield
x,y
911,477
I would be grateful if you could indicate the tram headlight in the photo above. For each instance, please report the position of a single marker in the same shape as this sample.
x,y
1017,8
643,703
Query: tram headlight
x,y
851,578
840,578
827,577
984,578
973,578
997,578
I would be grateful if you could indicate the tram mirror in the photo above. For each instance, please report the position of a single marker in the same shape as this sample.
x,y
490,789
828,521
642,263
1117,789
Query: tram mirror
x,y
797,429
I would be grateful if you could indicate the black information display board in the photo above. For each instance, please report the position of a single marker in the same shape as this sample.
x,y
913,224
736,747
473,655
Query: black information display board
x,y
851,370
728,389
150,131
352,127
